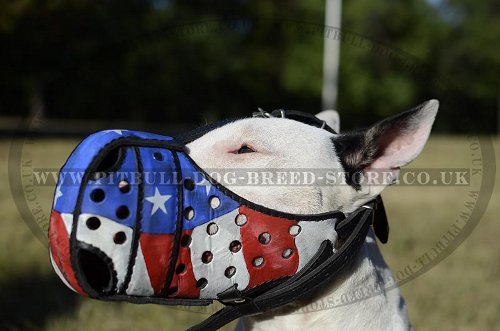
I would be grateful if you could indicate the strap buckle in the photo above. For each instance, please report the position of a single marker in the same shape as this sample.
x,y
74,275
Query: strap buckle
x,y
264,114
261,114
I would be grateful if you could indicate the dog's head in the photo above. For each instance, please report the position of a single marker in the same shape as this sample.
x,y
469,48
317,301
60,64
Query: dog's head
x,y
113,236
355,166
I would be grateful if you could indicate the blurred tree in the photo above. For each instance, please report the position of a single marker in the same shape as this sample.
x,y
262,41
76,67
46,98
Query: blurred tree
x,y
457,60
195,61
472,58
372,83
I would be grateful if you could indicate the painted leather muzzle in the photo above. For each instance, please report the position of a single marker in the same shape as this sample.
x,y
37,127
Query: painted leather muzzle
x,y
135,217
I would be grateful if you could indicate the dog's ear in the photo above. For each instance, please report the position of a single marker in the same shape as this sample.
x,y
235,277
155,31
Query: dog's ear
x,y
387,145
331,117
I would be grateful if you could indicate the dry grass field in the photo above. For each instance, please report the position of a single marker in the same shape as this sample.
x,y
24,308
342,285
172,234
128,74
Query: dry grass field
x,y
462,292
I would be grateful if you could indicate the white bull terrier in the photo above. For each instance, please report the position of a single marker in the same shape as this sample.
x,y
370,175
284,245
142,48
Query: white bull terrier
x,y
277,143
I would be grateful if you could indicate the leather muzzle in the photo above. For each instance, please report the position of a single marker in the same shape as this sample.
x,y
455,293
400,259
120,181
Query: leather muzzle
x,y
136,219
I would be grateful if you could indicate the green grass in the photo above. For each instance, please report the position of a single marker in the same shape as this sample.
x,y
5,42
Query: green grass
x,y
461,293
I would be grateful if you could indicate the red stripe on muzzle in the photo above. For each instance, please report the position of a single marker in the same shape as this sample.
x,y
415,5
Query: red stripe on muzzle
x,y
59,248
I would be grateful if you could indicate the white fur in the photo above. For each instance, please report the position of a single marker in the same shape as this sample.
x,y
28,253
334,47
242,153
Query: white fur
x,y
287,144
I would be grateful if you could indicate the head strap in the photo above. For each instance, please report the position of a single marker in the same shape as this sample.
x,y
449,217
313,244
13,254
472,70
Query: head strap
x,y
295,115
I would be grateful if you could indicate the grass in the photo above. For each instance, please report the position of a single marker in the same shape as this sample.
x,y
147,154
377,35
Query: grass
x,y
460,293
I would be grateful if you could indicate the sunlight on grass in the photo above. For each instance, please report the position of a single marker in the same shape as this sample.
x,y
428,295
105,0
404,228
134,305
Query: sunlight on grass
x,y
461,293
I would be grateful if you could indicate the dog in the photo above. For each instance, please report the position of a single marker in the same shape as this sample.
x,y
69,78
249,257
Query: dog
x,y
257,248
277,143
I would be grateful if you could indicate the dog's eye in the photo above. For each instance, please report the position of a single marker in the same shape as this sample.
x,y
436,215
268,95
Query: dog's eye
x,y
244,149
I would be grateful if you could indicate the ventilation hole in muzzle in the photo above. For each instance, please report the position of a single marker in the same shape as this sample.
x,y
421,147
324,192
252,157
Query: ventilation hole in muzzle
x,y
189,213
158,156
180,268
235,246
265,238
214,202
207,257
294,230
109,163
172,291
124,186
122,212
230,271
97,195
119,238
258,261
93,223
189,184
287,253
241,219
201,283
185,240
97,270
212,228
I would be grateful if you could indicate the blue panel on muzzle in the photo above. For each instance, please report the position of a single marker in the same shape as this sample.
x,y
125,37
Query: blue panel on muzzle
x,y
106,196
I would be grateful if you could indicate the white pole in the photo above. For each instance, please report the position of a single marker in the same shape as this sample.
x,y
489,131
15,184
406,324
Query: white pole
x,y
331,54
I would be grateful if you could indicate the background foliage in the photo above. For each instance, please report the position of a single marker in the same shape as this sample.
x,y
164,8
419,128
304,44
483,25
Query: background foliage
x,y
153,60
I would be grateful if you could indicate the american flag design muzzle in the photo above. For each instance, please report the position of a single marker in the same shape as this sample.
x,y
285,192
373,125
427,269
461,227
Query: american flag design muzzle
x,y
144,221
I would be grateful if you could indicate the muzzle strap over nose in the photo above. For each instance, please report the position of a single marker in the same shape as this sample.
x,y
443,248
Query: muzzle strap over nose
x,y
145,224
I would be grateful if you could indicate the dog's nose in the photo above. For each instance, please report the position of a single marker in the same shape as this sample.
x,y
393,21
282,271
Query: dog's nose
x,y
97,270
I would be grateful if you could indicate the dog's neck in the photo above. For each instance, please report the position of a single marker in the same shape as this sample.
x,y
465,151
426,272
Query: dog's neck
x,y
365,297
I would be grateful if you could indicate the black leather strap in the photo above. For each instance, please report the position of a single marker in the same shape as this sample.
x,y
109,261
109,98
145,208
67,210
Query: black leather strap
x,y
324,267
303,117
380,223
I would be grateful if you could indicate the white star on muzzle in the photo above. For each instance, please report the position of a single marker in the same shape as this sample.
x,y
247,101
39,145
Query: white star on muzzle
x,y
158,201
58,194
